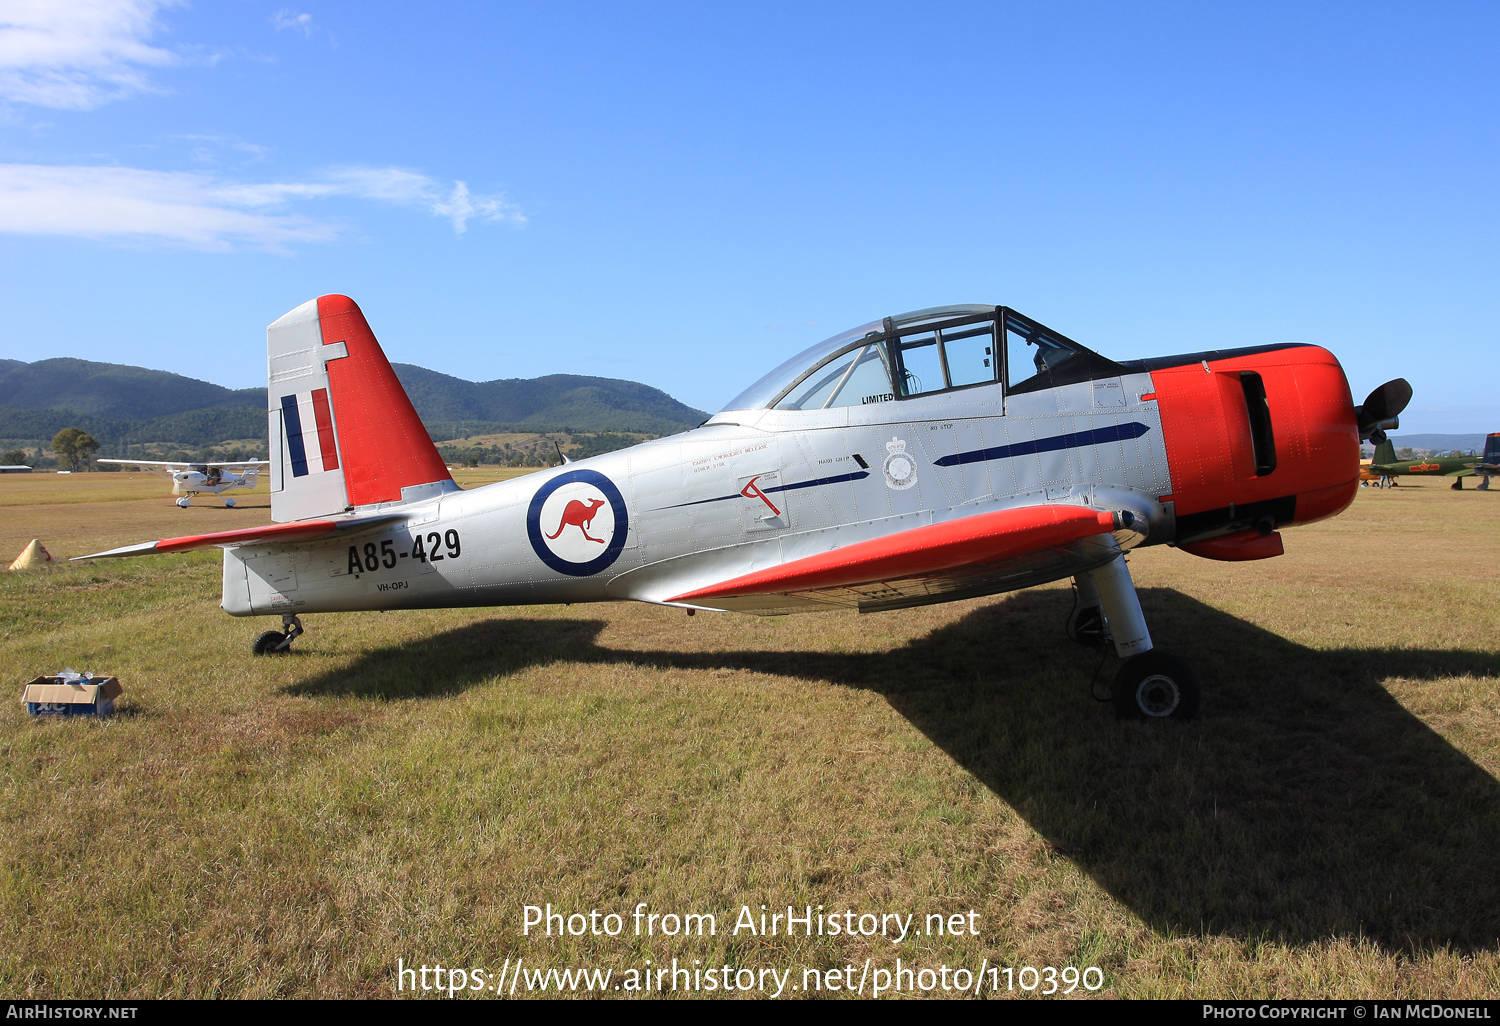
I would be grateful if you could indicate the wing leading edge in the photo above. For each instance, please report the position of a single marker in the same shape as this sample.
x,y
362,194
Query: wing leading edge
x,y
976,555
297,531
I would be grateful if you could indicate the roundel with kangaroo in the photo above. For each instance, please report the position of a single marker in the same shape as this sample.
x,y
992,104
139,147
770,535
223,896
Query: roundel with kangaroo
x,y
577,523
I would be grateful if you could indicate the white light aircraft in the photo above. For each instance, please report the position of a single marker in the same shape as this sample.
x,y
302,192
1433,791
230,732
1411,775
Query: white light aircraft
x,y
189,479
942,454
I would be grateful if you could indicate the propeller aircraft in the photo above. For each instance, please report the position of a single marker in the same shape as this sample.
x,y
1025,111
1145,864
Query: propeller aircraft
x,y
1385,466
189,479
942,454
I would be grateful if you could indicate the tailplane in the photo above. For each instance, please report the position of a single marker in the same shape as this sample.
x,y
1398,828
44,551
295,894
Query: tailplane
x,y
343,433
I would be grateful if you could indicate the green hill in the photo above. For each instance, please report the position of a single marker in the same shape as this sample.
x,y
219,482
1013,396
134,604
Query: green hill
x,y
118,404
194,427
584,403
113,390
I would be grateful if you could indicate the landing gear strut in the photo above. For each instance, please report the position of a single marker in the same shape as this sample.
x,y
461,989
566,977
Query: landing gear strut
x,y
1087,625
272,642
1150,684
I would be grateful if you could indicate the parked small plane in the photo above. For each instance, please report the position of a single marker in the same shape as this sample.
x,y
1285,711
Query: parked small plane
x,y
942,454
1386,468
189,479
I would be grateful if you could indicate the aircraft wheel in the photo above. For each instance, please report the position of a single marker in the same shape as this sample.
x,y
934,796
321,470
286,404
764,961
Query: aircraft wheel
x,y
1156,686
183,502
229,502
266,642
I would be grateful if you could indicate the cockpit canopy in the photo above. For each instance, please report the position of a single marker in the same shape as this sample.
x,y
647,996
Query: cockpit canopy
x,y
940,349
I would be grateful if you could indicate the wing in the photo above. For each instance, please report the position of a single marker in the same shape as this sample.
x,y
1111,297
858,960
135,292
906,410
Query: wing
x,y
181,465
976,555
301,530
151,466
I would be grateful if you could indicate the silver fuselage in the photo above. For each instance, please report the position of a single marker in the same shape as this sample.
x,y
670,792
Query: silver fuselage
x,y
817,480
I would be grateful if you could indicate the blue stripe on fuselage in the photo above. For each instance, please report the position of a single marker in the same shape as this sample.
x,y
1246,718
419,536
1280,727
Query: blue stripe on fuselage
x,y
858,475
293,421
1077,439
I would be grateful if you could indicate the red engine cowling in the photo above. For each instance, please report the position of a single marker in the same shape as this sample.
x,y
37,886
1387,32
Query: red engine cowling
x,y
1256,441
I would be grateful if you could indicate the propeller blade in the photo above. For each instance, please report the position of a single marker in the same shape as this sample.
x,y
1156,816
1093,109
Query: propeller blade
x,y
1385,402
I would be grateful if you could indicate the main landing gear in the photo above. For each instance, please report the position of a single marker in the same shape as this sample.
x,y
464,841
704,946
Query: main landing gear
x,y
1150,685
272,642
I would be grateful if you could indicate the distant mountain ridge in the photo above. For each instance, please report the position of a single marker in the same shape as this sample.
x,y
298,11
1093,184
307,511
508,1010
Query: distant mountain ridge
x,y
115,401
572,399
113,390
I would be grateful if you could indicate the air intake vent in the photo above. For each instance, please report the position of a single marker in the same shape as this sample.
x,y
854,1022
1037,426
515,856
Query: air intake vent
x,y
1261,436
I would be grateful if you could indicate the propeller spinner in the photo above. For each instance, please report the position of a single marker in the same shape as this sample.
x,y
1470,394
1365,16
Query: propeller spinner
x,y
1381,409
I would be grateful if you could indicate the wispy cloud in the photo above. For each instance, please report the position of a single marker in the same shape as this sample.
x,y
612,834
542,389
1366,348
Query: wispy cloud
x,y
211,146
391,185
201,211
285,19
78,54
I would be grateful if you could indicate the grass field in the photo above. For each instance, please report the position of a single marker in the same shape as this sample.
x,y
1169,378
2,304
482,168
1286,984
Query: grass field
x,y
404,784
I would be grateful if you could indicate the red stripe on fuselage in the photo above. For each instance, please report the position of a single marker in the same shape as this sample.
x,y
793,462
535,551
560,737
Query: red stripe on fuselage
x,y
324,420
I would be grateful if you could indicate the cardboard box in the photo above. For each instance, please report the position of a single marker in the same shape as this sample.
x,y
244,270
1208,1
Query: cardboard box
x,y
52,696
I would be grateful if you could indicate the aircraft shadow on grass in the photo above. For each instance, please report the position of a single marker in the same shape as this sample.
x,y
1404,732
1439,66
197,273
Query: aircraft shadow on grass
x,y
1304,804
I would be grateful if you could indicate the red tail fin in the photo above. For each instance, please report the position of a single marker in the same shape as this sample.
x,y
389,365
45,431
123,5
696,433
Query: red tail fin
x,y
385,446
343,432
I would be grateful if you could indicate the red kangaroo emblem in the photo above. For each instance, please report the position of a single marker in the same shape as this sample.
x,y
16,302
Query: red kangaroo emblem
x,y
580,515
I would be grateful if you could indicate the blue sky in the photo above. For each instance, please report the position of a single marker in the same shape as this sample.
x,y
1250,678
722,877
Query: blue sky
x,y
686,194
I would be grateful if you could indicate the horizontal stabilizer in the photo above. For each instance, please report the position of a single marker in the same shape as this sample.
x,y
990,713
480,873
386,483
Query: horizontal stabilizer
x,y
952,550
301,530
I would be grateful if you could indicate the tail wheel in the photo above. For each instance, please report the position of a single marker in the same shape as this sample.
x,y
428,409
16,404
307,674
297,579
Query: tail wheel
x,y
1156,686
266,642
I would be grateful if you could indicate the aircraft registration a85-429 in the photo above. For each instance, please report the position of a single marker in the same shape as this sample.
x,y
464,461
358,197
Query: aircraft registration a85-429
x,y
947,453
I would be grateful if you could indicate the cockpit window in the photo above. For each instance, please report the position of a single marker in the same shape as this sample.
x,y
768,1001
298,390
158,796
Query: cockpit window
x,y
854,378
771,387
954,353
921,353
1037,357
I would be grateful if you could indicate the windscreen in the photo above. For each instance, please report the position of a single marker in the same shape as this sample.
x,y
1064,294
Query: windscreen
x,y
766,391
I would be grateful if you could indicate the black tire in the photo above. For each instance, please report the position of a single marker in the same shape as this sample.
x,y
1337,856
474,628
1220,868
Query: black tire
x,y
266,642
1156,686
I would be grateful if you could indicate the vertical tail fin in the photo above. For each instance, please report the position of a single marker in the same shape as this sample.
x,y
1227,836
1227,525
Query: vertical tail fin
x,y
343,432
1385,452
1492,448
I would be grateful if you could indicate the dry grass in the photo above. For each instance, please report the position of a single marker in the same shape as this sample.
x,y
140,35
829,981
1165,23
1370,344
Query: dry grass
x,y
405,783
